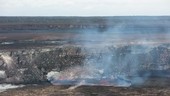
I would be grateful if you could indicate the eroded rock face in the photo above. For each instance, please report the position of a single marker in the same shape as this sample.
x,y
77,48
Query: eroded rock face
x,y
32,65
15,64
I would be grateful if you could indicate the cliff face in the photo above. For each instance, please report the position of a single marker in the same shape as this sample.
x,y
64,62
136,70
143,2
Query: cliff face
x,y
32,65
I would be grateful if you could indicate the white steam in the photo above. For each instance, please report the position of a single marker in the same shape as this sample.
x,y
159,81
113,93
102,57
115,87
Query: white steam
x,y
4,87
8,60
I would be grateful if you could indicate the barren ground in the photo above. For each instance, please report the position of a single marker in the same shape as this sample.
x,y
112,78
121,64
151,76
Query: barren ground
x,y
50,90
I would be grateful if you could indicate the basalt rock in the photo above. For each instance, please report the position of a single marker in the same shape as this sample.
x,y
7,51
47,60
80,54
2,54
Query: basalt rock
x,y
31,66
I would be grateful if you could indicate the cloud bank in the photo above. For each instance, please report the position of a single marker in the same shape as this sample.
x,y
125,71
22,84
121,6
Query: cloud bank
x,y
83,7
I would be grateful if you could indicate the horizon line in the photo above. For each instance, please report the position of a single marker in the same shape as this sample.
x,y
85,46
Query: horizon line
x,y
92,16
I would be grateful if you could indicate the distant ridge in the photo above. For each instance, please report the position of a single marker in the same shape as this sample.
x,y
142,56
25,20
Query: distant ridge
x,y
122,24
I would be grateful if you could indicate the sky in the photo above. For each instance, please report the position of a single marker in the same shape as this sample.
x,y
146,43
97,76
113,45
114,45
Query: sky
x,y
84,7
